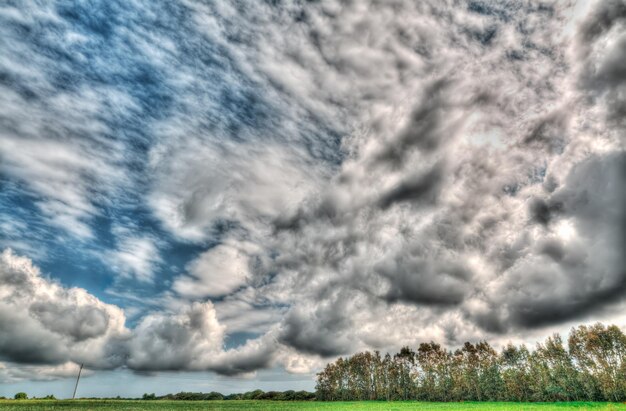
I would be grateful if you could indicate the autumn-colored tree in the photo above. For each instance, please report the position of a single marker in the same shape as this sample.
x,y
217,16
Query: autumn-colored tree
x,y
516,374
600,354
591,368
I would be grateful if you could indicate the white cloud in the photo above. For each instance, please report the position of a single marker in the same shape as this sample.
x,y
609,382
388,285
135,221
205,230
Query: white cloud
x,y
219,271
176,341
135,257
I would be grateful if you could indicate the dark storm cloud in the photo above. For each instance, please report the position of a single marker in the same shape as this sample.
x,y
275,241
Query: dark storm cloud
x,y
22,341
542,211
321,331
429,125
426,281
602,46
562,282
601,19
421,190
81,323
242,363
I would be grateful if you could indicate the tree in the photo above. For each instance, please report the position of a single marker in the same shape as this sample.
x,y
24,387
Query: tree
x,y
435,377
515,372
600,354
554,375
490,383
591,368
407,372
253,395
21,396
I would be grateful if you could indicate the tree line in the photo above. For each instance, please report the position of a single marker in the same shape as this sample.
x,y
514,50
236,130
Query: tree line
x,y
289,395
590,366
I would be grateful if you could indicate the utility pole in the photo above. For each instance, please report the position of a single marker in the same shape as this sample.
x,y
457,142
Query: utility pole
x,y
77,379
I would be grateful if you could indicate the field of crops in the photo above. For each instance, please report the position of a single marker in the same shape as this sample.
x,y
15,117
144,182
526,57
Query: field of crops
x,y
86,405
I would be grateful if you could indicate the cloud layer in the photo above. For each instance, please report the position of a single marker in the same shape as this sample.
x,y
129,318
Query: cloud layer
x,y
312,179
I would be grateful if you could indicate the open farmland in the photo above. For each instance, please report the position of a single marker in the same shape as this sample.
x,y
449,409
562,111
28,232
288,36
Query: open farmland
x,y
85,405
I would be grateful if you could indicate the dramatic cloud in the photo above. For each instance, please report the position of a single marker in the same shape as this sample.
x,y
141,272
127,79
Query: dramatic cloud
x,y
43,322
278,184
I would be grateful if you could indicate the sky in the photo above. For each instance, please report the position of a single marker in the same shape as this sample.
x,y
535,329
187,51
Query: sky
x,y
227,195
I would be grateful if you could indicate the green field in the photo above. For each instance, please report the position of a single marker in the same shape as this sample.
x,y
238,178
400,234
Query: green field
x,y
85,405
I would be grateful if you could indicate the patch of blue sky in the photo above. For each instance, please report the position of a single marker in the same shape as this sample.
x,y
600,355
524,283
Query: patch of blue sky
x,y
20,221
238,339
25,231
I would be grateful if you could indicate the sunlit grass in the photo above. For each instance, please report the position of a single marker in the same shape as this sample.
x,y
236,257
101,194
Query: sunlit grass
x,y
85,405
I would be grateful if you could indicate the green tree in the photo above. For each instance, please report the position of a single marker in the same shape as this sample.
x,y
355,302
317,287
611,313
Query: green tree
x,y
600,354
515,372
593,367
554,376
21,396
435,377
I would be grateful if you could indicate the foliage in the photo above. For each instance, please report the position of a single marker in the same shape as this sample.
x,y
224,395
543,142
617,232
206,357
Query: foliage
x,y
251,395
591,368
21,396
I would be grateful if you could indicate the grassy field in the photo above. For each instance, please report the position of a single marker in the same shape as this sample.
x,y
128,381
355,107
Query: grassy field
x,y
86,405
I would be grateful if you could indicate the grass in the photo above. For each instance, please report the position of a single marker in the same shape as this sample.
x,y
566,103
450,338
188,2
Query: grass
x,y
88,405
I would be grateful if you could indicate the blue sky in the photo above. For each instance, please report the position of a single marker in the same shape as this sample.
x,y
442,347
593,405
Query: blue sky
x,y
229,195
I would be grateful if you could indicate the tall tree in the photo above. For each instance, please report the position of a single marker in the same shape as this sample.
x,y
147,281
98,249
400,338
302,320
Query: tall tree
x,y
600,354
593,367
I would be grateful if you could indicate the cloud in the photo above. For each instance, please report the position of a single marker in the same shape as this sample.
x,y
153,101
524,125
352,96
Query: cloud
x,y
346,175
601,48
202,188
507,248
217,272
175,342
579,271
323,329
43,322
422,189
135,257
11,373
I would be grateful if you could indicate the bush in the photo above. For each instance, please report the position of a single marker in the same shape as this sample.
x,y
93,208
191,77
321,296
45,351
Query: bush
x,y
21,396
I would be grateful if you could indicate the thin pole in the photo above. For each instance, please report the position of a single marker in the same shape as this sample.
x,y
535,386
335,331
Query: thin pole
x,y
77,379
